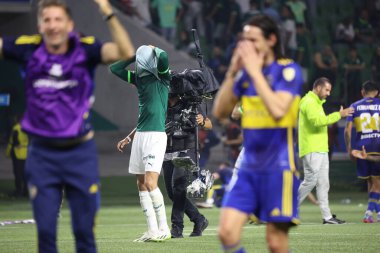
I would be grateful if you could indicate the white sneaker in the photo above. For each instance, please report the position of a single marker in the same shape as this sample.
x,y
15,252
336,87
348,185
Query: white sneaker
x,y
162,236
146,237
204,205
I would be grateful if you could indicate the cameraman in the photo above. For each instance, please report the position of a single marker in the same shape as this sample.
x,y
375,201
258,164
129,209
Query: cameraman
x,y
181,122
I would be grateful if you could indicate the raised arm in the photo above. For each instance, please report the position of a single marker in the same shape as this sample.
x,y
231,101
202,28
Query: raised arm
x,y
119,69
162,62
277,102
121,46
225,99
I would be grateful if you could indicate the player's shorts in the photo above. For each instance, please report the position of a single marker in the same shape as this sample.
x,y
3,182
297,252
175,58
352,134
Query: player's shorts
x,y
271,197
366,169
148,150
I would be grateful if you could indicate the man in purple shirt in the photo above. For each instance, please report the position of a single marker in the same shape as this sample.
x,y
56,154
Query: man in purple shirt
x,y
59,69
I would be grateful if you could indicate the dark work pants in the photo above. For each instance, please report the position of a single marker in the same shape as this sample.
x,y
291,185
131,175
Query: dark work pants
x,y
176,184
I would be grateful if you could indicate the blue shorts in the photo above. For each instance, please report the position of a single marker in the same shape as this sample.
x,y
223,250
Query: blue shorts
x,y
271,197
366,169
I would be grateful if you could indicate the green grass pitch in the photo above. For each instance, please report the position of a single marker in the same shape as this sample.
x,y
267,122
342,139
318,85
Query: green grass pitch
x,y
120,221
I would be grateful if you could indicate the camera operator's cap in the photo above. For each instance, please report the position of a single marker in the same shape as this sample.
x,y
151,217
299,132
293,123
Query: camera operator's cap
x,y
146,62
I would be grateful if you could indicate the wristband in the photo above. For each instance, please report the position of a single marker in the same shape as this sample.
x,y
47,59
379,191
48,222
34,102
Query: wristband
x,y
109,16
129,139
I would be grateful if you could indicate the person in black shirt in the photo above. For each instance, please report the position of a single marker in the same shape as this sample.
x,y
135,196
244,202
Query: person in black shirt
x,y
181,143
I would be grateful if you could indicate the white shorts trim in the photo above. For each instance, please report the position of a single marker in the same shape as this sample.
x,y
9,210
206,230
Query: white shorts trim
x,y
148,150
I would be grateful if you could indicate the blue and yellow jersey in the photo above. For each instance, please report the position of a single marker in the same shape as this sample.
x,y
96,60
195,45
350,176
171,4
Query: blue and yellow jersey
x,y
269,143
366,122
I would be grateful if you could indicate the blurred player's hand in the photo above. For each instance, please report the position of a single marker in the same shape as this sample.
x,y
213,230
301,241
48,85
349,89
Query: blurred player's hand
x,y
361,154
200,120
121,144
104,7
235,64
252,59
346,112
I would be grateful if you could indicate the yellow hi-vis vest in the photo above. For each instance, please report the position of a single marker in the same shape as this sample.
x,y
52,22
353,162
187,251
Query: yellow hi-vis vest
x,y
22,149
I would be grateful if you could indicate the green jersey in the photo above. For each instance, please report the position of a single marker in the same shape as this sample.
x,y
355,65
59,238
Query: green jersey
x,y
152,92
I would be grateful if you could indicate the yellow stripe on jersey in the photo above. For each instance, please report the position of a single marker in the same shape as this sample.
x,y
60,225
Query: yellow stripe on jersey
x,y
284,61
291,148
28,39
366,123
256,115
88,40
287,193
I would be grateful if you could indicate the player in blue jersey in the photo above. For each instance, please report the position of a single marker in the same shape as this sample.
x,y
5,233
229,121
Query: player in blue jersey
x,y
269,90
59,69
365,120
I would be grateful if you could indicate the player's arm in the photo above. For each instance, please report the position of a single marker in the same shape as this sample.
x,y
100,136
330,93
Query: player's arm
x,y
162,62
362,154
225,98
347,137
317,117
128,139
121,46
119,69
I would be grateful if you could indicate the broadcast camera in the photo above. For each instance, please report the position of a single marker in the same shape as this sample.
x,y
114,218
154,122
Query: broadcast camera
x,y
193,86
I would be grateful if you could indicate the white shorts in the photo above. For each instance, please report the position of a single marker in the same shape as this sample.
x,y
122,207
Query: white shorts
x,y
148,150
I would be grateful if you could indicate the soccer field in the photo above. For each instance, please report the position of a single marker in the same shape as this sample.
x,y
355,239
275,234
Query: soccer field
x,y
120,221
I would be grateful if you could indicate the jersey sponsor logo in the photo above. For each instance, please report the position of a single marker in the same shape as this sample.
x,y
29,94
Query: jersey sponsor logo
x,y
149,159
55,84
56,70
257,116
370,136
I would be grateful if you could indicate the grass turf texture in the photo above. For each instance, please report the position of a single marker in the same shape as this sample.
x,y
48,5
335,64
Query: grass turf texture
x,y
120,221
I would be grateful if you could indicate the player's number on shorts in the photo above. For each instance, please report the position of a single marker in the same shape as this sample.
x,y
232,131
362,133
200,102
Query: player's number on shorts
x,y
369,122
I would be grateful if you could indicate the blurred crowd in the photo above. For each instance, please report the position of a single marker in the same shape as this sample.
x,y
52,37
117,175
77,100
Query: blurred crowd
x,y
336,39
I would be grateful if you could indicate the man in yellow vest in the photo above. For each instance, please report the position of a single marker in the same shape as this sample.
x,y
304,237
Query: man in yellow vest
x,y
17,149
